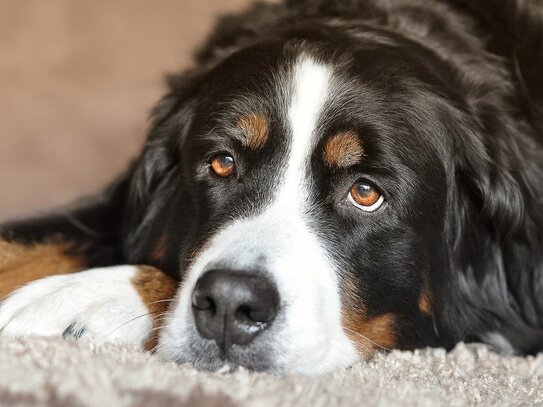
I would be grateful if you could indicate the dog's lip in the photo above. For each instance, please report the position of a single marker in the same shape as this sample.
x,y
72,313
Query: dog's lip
x,y
212,361
224,366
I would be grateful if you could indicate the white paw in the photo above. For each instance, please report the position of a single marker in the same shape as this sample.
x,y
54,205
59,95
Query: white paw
x,y
98,305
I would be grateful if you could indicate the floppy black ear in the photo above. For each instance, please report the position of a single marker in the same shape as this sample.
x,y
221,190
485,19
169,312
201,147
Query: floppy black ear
x,y
494,172
170,122
496,217
151,183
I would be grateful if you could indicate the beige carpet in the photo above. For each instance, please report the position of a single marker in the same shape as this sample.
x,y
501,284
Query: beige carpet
x,y
39,372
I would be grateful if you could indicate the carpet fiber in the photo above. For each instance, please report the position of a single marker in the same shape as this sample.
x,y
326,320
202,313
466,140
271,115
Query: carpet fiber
x,y
35,372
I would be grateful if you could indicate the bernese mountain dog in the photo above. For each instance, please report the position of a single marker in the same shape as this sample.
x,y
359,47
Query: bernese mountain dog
x,y
333,179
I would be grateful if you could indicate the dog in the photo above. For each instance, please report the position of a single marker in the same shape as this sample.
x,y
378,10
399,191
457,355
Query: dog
x,y
335,178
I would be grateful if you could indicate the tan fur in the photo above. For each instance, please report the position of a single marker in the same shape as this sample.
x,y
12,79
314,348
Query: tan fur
x,y
369,334
156,289
343,150
255,130
21,264
425,302
160,249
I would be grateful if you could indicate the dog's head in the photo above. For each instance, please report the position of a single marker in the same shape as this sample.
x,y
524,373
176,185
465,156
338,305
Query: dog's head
x,y
313,199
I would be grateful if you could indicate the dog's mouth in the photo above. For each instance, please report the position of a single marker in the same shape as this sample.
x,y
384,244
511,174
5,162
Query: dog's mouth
x,y
211,355
237,357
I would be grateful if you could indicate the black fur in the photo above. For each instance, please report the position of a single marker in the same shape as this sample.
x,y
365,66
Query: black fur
x,y
448,95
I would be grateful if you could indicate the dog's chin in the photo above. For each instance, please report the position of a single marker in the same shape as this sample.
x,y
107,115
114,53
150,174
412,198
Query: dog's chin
x,y
205,355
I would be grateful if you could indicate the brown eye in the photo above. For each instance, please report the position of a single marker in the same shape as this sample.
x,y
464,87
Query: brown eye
x,y
365,196
223,165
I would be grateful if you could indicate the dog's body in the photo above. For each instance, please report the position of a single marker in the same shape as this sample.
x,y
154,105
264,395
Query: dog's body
x,y
336,177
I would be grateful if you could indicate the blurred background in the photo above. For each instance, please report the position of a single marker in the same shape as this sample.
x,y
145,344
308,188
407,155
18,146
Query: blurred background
x,y
77,81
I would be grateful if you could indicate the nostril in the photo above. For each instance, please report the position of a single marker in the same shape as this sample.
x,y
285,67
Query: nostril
x,y
243,314
249,316
255,314
203,302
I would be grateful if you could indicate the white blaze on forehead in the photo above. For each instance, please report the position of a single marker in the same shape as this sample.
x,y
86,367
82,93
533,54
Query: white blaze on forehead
x,y
309,93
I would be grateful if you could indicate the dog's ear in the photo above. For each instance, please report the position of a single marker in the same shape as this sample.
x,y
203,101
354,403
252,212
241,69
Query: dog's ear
x,y
495,234
171,120
153,171
495,166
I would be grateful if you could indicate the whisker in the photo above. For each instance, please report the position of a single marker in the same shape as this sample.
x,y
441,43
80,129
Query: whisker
x,y
160,315
158,328
127,322
159,347
159,301
368,339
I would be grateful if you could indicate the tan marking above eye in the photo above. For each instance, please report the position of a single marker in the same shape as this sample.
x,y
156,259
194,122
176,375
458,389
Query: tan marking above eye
x,y
366,196
223,165
255,130
343,149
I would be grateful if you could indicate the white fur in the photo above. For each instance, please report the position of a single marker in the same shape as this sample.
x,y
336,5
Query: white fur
x,y
499,342
103,302
309,338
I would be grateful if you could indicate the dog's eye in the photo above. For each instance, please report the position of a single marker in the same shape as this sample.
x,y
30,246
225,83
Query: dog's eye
x,y
364,195
223,165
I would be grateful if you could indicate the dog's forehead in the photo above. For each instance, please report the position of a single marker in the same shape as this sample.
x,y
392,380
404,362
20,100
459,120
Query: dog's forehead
x,y
290,106
335,100
370,111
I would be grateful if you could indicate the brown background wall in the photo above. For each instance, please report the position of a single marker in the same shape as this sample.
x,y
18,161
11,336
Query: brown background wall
x,y
77,80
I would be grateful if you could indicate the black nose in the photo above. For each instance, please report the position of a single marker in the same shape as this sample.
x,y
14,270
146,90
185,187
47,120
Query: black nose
x,y
233,308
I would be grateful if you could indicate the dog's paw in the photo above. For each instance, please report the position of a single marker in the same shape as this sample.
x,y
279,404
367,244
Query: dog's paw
x,y
98,305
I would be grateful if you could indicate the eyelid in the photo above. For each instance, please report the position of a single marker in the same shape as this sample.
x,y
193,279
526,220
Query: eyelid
x,y
211,155
368,209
